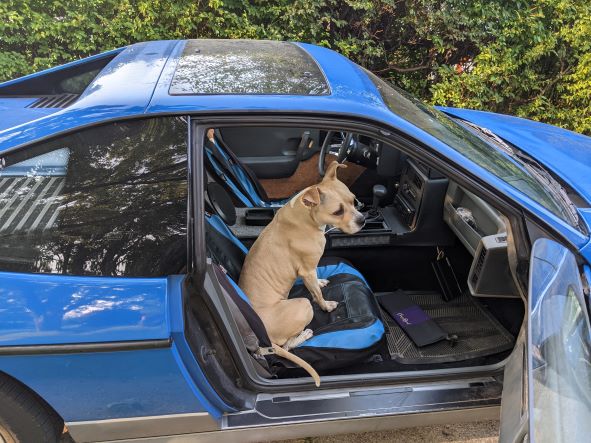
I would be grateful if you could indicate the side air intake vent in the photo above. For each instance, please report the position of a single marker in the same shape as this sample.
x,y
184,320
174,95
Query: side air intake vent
x,y
54,101
417,181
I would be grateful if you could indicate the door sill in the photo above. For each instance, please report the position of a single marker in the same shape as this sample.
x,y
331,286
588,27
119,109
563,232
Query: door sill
x,y
339,404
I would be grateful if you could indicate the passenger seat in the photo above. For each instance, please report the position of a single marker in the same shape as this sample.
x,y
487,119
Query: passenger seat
x,y
350,334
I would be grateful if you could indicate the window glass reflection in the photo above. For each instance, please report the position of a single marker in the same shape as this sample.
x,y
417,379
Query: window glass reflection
x,y
110,200
246,67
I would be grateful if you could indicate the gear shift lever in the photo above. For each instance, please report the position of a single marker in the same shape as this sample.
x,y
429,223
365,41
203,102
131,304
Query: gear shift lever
x,y
379,192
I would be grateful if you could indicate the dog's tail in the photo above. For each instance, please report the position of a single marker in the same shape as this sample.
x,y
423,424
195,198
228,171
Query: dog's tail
x,y
298,361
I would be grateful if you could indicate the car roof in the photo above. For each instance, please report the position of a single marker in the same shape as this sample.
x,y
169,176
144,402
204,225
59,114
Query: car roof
x,y
137,81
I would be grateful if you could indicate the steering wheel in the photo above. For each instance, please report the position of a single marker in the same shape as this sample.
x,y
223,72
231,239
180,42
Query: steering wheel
x,y
342,153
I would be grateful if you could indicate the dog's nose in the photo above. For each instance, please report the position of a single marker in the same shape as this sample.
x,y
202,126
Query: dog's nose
x,y
360,219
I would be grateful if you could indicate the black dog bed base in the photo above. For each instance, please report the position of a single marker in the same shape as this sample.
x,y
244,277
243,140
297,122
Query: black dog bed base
x,y
478,332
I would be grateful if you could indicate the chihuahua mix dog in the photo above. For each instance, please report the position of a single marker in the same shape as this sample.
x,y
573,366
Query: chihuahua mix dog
x,y
290,247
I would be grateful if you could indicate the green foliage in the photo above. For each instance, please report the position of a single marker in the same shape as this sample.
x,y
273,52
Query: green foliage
x,y
524,57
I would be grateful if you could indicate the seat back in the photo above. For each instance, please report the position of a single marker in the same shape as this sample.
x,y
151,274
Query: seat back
x,y
238,178
224,247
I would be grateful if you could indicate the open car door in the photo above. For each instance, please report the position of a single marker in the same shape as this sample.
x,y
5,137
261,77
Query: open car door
x,y
547,385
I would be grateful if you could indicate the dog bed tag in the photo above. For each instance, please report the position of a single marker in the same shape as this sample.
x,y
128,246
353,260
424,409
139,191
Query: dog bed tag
x,y
415,322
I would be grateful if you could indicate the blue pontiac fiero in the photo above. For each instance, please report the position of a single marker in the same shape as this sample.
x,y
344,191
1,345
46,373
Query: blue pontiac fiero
x,y
132,184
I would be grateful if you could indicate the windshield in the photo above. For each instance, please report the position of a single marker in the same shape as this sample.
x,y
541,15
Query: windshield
x,y
519,171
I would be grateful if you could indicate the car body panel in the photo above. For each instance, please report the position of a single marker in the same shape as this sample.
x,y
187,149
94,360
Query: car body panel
x,y
14,109
564,152
39,309
122,89
107,385
102,384
558,343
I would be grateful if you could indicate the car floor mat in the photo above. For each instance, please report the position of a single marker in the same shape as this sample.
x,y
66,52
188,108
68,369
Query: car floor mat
x,y
478,332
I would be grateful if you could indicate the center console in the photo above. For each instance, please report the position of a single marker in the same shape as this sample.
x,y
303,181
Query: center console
x,y
415,216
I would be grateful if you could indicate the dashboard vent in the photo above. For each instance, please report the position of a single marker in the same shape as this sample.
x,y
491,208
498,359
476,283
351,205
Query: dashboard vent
x,y
54,101
478,265
417,181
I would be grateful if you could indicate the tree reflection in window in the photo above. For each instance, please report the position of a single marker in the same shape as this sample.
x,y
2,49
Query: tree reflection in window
x,y
115,207
246,67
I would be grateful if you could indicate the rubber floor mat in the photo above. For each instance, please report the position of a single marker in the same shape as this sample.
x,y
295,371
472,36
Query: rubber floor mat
x,y
479,333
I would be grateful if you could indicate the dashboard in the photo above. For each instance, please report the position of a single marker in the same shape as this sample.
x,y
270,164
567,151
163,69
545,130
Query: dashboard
x,y
483,232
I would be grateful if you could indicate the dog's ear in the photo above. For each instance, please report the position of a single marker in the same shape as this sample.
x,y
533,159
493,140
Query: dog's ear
x,y
331,171
311,197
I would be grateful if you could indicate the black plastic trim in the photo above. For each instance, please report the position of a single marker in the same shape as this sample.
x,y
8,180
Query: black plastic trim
x,y
80,348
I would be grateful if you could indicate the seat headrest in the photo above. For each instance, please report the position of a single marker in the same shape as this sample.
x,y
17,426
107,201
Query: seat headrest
x,y
221,202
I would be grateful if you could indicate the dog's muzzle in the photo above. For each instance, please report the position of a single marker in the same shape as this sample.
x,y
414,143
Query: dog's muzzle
x,y
360,220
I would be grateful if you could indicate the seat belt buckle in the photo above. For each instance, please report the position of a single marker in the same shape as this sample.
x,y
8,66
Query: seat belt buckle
x,y
266,351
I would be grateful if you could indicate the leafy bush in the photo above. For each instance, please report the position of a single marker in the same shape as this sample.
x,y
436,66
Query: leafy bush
x,y
524,57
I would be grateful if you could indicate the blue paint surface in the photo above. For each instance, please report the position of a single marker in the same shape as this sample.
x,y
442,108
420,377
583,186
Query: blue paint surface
x,y
106,385
566,153
53,309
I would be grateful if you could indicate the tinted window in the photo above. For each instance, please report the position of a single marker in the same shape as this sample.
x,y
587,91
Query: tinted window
x,y
246,67
110,200
507,168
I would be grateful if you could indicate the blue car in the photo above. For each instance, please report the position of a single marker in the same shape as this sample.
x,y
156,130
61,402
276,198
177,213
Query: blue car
x,y
133,182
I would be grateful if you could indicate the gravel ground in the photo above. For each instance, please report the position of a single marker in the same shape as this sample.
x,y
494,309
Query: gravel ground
x,y
479,432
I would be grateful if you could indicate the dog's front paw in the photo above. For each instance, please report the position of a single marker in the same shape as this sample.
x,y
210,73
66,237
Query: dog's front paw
x,y
329,305
322,282
306,334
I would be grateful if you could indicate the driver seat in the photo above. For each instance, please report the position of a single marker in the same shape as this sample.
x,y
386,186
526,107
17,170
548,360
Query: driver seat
x,y
236,177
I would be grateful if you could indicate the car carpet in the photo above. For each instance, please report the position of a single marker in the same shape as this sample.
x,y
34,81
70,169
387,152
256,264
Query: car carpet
x,y
306,175
478,332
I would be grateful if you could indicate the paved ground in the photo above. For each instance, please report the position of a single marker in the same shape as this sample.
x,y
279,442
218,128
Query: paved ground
x,y
480,432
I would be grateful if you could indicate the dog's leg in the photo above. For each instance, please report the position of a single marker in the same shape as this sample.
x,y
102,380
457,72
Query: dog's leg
x,y
312,284
298,339
287,319
322,282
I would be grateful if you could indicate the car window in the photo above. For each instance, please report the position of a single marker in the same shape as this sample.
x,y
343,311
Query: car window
x,y
561,370
246,67
109,201
511,170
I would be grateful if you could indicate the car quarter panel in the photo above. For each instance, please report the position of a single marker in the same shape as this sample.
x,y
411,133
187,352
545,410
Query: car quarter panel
x,y
39,309
122,89
108,385
103,384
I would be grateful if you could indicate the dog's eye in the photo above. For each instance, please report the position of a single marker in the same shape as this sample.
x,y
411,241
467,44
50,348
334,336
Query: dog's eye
x,y
341,211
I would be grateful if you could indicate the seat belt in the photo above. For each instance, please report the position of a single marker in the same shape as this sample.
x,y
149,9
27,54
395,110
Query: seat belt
x,y
249,324
234,159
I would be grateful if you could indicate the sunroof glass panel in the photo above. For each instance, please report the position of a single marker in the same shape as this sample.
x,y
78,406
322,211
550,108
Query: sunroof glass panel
x,y
246,67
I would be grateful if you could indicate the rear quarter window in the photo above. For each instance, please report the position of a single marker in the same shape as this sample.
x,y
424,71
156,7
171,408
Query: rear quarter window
x,y
105,201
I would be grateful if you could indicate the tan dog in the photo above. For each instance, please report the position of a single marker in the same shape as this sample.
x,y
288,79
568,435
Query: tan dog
x,y
290,247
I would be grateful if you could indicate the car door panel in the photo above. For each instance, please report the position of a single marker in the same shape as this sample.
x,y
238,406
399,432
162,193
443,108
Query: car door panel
x,y
271,152
557,368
